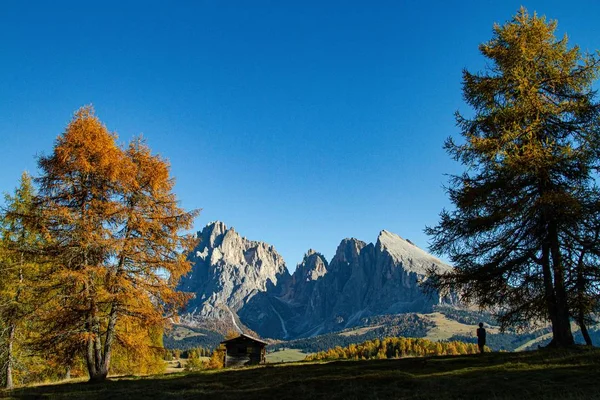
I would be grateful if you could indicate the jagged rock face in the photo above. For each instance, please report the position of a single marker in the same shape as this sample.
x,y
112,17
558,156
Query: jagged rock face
x,y
399,266
228,270
275,314
363,280
332,290
247,283
304,279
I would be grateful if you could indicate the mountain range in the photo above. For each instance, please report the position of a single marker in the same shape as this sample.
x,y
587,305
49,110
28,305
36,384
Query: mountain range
x,y
244,285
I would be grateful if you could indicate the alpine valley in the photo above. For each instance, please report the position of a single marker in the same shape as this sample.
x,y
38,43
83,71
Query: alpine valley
x,y
366,291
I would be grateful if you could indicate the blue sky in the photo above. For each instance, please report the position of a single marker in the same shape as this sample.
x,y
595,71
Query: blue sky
x,y
298,123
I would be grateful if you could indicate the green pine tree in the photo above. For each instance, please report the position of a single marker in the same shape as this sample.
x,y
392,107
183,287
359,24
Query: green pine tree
x,y
17,272
530,150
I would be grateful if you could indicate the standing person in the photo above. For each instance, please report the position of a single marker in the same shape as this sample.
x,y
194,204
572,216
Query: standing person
x,y
481,337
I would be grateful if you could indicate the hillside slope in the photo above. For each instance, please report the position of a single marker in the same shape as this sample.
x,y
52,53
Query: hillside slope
x,y
501,376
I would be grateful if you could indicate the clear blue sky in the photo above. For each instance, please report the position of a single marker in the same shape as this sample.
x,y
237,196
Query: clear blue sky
x,y
299,123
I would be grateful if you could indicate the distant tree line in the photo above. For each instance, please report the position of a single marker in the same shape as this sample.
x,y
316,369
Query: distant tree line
x,y
175,354
206,339
408,325
396,347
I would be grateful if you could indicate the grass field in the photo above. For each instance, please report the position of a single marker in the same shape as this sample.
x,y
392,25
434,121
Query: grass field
x,y
178,365
445,327
360,331
287,355
181,332
541,374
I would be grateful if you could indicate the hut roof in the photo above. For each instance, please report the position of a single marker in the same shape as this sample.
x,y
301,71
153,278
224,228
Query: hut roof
x,y
243,335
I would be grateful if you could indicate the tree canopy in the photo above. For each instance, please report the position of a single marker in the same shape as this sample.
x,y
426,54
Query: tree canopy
x,y
112,245
531,156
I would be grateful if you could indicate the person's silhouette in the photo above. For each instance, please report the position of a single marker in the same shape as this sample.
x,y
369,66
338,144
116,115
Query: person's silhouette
x,y
481,337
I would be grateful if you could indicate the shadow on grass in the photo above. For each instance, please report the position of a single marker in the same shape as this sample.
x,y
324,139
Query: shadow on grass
x,y
541,374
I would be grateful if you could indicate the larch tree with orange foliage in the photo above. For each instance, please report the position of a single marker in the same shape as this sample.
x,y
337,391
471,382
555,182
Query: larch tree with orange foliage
x,y
114,224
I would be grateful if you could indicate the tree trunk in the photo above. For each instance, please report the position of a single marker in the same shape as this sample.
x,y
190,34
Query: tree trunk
x,y
110,336
89,351
99,376
580,297
548,289
562,335
101,372
583,327
113,316
9,357
98,357
97,345
584,331
89,357
12,330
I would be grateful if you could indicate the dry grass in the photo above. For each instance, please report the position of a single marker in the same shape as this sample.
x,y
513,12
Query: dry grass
x,y
176,366
445,328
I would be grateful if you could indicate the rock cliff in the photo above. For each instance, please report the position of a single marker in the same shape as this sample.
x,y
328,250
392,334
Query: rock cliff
x,y
247,283
228,270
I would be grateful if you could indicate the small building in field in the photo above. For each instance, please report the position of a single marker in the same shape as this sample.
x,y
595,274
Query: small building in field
x,y
244,350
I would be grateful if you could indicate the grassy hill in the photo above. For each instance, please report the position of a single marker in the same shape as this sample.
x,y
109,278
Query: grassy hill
x,y
185,337
445,323
286,355
544,374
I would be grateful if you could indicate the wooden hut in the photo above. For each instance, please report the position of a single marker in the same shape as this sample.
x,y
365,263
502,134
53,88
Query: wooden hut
x,y
244,350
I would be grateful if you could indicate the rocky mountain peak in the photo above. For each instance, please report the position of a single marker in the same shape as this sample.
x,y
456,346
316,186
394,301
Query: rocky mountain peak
x,y
245,284
227,271
348,251
312,267
212,234
403,251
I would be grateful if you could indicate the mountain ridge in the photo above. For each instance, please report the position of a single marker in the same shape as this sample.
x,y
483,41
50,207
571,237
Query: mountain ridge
x,y
247,283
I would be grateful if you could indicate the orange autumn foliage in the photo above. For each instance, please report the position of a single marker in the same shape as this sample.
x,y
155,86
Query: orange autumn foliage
x,y
395,347
114,226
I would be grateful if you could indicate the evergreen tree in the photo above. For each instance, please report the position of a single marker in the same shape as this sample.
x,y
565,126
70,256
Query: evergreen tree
x,y
530,148
17,272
